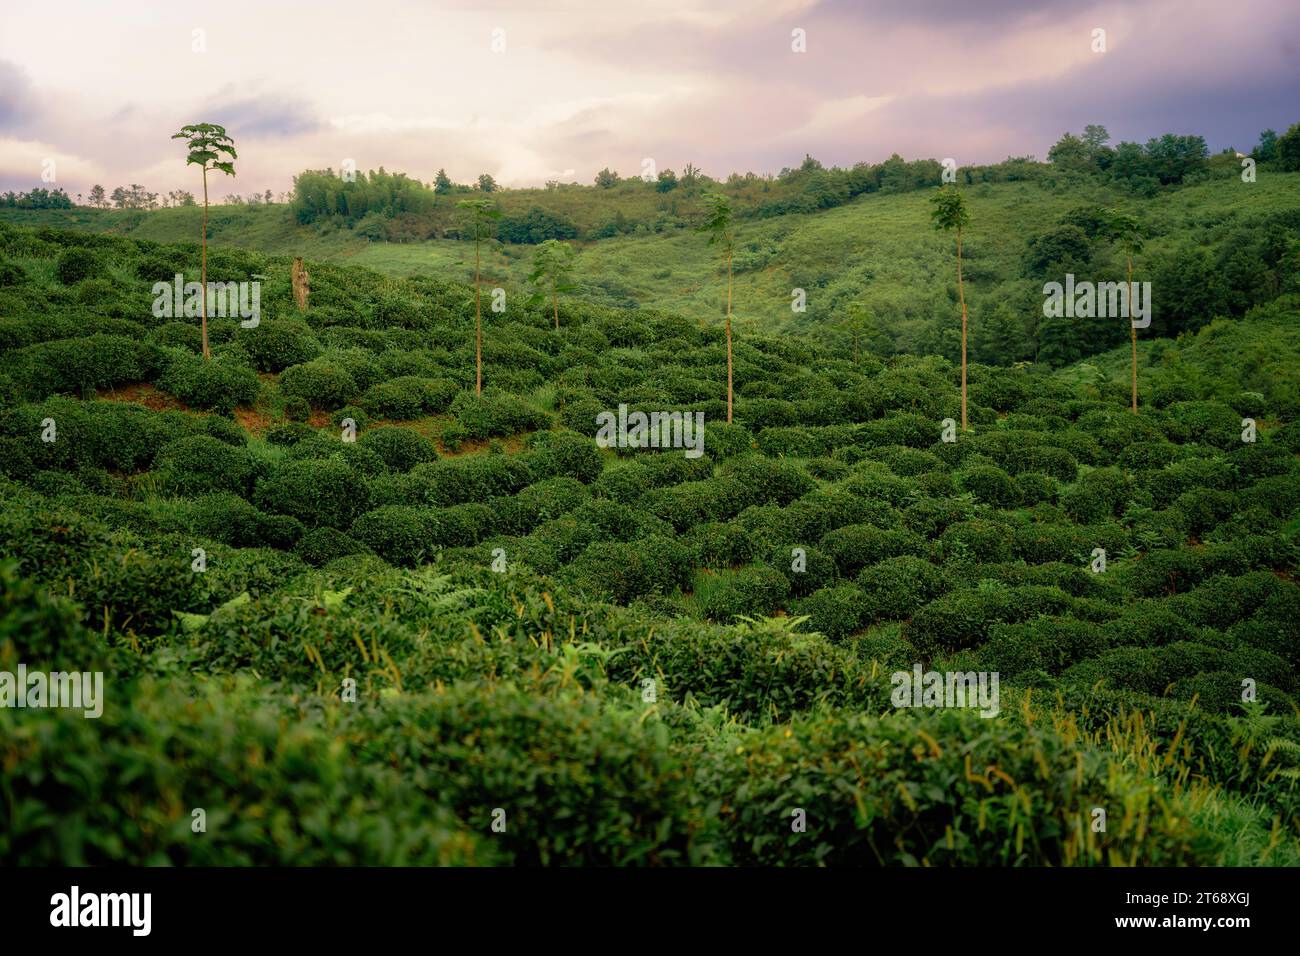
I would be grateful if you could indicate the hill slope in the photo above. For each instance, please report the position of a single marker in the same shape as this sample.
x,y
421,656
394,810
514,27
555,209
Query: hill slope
x,y
363,651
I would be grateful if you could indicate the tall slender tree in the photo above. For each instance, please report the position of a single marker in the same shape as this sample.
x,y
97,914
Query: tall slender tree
x,y
209,148
717,224
552,266
1126,232
481,213
949,214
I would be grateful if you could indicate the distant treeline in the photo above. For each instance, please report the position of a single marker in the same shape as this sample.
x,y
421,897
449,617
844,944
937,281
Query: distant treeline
x,y
36,199
388,206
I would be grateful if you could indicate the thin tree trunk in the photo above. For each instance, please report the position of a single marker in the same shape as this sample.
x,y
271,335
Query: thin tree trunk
x,y
478,325
728,334
961,294
1133,334
555,304
203,278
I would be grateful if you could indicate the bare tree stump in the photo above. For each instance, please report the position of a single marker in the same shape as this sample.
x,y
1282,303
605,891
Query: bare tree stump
x,y
301,284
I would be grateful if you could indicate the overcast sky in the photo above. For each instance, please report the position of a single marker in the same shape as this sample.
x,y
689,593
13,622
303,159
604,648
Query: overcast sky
x,y
413,86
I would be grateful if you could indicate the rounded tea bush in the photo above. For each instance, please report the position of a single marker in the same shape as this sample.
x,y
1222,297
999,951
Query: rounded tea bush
x,y
320,546
566,454
835,612
201,464
77,264
990,485
853,547
409,396
751,592
401,449
296,409
896,587
400,534
218,385
315,491
321,383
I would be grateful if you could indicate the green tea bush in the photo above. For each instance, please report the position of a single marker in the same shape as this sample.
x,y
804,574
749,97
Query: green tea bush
x,y
230,519
834,612
990,485
320,546
750,592
806,573
566,455
768,480
409,396
723,440
277,344
1210,423
718,545
886,799
895,588
321,383
472,478
620,572
1098,495
85,364
400,534
962,618
537,503
1047,644
853,547
493,414
1034,488
323,492
200,464
1054,462
75,265
217,385
399,448
979,539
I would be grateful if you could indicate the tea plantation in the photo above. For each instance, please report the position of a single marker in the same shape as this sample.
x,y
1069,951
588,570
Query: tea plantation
x,y
472,636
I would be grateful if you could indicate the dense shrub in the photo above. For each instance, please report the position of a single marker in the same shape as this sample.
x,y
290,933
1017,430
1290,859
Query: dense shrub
x,y
323,492
962,618
895,588
277,344
990,485
84,364
768,480
492,414
200,464
853,547
721,544
399,534
409,396
401,449
835,612
620,572
320,546
1098,495
77,264
217,385
749,592
566,455
321,383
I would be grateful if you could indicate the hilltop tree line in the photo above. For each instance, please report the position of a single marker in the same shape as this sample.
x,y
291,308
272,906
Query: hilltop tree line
x,y
384,206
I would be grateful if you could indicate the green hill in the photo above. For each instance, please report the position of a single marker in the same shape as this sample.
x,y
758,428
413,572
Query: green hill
x,y
876,252
372,651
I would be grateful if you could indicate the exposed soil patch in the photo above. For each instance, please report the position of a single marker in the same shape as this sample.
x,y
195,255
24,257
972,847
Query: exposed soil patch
x,y
253,421
142,393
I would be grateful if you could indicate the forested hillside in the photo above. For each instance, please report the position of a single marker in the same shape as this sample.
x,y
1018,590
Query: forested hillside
x,y
356,611
854,242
